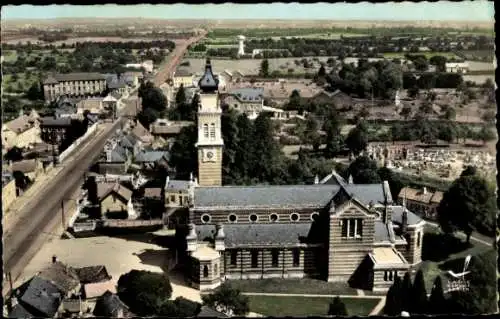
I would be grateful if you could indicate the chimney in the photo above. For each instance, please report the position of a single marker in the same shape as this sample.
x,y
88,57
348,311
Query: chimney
x,y
425,190
404,221
316,179
350,180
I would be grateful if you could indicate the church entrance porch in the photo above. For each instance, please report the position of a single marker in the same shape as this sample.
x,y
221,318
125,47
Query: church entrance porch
x,y
387,264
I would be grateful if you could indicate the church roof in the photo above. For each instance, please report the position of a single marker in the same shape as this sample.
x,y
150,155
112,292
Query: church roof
x,y
397,216
208,82
238,235
281,196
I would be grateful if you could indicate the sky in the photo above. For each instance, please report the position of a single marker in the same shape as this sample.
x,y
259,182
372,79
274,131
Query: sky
x,y
477,10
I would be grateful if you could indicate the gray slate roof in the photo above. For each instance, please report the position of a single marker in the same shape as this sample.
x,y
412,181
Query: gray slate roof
x,y
333,178
178,184
381,232
19,311
238,235
280,196
108,305
211,313
182,72
118,154
88,76
208,82
397,216
51,121
151,156
42,296
128,141
249,94
264,196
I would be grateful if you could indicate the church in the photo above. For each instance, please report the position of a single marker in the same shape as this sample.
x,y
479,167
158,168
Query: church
x,y
332,230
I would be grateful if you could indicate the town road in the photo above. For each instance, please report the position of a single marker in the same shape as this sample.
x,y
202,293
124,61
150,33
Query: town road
x,y
43,208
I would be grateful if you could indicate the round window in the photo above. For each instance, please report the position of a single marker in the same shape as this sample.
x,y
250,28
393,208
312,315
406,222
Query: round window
x,y
273,217
294,217
205,218
232,218
314,216
253,218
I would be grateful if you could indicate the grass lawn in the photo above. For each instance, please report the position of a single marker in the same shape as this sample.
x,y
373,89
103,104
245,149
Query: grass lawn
x,y
428,55
307,306
293,286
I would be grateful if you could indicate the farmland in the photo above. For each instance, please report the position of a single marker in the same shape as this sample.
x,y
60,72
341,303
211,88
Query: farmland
x,y
428,55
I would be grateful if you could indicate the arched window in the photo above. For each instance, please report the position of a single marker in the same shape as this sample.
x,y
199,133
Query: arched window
x,y
275,253
234,256
205,130
385,275
212,131
205,271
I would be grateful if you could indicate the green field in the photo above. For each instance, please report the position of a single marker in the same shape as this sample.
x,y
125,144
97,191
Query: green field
x,y
293,286
277,306
428,55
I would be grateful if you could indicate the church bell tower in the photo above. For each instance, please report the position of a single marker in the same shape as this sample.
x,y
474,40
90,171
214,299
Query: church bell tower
x,y
210,141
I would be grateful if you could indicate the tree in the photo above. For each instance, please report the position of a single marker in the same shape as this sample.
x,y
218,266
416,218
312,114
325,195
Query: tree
x,y
465,205
244,158
450,114
147,116
144,291
14,154
321,72
393,306
489,116
295,101
364,171
180,308
311,135
357,139
406,289
406,112
437,301
421,64
418,304
184,154
264,68
180,96
469,171
439,62
227,300
413,91
230,136
337,307
486,134
35,92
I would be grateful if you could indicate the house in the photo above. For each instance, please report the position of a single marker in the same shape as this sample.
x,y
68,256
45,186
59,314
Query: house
x,y
22,131
141,133
92,291
150,158
337,232
73,84
54,130
110,305
168,129
131,143
147,65
92,274
63,277
132,78
337,98
114,199
36,298
93,105
183,77
31,168
246,100
177,192
421,201
456,67
116,84
115,159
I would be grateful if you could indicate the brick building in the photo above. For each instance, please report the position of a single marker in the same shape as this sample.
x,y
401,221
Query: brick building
x,y
73,84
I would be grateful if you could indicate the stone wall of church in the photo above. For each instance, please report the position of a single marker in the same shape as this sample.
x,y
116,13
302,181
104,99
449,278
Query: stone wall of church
x,y
346,254
413,251
210,173
263,216
265,268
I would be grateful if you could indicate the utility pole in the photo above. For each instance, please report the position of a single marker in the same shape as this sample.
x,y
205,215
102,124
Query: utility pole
x,y
62,215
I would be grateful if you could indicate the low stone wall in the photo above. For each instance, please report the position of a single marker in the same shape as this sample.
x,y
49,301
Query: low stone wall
x,y
91,130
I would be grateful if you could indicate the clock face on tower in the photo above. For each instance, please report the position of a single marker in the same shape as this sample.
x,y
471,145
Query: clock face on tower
x,y
209,155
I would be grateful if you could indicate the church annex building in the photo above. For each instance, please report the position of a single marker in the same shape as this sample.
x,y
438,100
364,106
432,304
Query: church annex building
x,y
332,230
